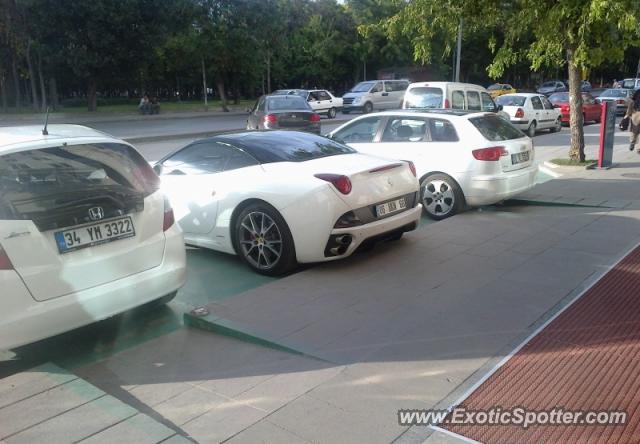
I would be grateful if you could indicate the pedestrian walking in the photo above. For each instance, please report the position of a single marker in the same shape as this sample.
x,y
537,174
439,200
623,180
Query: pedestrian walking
x,y
633,114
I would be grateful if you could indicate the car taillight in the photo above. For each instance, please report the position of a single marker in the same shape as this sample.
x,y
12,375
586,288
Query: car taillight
x,y
520,113
491,154
270,118
5,262
620,102
412,167
315,118
342,183
169,218
446,103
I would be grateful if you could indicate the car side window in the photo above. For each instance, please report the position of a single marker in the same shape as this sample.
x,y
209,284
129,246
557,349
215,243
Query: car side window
x,y
313,96
536,103
457,100
546,103
487,102
322,95
198,158
377,88
261,105
239,159
442,130
473,101
388,87
360,131
402,129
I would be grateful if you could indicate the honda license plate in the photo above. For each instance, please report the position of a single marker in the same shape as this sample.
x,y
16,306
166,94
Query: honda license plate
x,y
94,234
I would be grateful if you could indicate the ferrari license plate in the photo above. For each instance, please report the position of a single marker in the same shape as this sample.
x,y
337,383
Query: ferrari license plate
x,y
390,207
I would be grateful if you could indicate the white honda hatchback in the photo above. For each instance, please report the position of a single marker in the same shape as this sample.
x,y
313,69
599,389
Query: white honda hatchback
x,y
461,158
85,233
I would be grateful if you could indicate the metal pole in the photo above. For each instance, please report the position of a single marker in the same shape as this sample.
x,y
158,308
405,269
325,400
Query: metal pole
x,y
458,50
204,84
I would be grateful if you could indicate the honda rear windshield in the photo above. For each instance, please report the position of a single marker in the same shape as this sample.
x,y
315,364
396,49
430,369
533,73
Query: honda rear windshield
x,y
511,100
50,185
423,97
495,128
287,146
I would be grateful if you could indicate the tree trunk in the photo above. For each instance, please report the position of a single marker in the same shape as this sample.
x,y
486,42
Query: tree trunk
x,y
3,93
576,121
268,71
16,83
92,95
43,91
32,79
223,96
53,93
204,85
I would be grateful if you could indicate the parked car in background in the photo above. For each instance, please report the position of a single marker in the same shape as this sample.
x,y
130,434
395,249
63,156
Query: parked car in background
x,y
531,112
320,100
498,89
85,233
585,85
618,96
279,198
591,109
552,86
287,111
374,95
454,95
631,83
462,158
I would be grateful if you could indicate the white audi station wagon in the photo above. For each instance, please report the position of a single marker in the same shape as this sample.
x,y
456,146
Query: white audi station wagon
x,y
85,233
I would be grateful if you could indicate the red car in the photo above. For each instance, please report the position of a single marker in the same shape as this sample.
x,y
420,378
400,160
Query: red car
x,y
590,108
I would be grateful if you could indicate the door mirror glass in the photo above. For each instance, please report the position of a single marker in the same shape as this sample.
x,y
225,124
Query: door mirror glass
x,y
158,168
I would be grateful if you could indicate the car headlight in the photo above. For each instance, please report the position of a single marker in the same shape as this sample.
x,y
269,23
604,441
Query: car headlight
x,y
357,100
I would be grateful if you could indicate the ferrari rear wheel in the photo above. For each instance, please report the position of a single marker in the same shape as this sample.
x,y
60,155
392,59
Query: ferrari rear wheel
x,y
263,240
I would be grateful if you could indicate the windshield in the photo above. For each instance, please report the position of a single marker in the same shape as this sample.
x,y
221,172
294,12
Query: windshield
x,y
511,100
614,93
494,87
629,83
495,128
363,87
548,84
423,97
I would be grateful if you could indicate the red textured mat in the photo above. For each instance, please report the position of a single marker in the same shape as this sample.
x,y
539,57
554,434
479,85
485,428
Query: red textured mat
x,y
587,359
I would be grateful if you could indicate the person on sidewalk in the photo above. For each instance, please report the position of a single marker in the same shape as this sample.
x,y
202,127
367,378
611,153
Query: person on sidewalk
x,y
633,113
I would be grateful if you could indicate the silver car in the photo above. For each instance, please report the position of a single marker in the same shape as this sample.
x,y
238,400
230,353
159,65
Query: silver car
x,y
620,96
284,112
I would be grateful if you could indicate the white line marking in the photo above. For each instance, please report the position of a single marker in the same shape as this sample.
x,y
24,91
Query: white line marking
x,y
454,435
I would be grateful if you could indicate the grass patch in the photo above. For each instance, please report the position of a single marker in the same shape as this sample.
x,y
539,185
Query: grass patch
x,y
569,162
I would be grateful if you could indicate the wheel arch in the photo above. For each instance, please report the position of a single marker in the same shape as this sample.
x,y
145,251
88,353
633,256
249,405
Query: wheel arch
x,y
241,206
430,173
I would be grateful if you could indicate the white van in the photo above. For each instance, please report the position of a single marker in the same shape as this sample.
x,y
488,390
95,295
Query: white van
x,y
374,95
436,95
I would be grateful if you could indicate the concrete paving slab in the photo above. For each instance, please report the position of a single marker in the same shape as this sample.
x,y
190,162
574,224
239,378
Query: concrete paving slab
x,y
29,383
266,432
139,429
177,439
45,405
77,424
189,405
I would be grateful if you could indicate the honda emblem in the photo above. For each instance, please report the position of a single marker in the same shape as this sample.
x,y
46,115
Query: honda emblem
x,y
96,213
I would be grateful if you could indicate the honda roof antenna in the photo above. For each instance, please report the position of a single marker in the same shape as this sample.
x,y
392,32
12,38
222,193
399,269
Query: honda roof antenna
x,y
46,122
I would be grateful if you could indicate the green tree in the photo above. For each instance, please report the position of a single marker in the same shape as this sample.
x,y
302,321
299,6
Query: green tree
x,y
576,35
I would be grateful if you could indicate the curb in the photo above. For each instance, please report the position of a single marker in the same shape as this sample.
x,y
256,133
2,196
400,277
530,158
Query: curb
x,y
230,329
567,169
550,203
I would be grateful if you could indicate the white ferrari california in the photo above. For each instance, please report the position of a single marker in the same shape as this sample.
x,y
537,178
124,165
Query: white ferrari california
x,y
279,198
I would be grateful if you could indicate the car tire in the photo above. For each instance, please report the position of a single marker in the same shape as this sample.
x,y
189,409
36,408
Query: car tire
x,y
557,126
160,301
263,240
441,196
531,131
332,113
367,108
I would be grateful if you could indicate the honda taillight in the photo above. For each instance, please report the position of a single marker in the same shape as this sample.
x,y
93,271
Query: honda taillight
x,y
315,118
412,167
491,154
270,118
169,218
519,113
342,183
446,103
5,262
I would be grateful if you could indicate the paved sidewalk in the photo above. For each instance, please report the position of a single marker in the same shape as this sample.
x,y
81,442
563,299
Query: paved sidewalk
x,y
50,405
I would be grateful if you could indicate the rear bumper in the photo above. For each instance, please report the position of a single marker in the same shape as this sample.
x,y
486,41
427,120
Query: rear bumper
x,y
24,320
487,190
520,123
